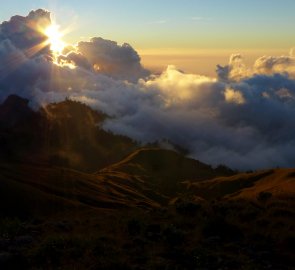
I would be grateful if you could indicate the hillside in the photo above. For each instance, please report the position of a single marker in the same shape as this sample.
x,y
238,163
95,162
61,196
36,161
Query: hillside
x,y
65,134
116,220
143,179
31,190
248,186
164,171
69,190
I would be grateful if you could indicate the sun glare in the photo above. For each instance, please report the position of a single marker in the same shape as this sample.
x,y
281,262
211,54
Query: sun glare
x,y
55,39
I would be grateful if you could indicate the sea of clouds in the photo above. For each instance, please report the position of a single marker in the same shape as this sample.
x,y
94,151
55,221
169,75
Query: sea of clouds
x,y
244,118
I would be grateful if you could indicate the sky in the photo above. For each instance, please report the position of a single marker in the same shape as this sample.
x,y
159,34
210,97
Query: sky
x,y
242,116
174,24
162,31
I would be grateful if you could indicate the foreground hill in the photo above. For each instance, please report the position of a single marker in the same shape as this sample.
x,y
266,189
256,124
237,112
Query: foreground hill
x,y
66,134
115,220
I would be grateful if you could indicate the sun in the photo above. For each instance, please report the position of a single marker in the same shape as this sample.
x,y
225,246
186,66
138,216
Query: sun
x,y
55,39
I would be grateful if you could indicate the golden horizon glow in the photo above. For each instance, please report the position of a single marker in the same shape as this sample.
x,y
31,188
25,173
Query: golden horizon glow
x,y
55,39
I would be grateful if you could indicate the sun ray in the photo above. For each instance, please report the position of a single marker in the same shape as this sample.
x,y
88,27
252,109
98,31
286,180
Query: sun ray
x,y
35,49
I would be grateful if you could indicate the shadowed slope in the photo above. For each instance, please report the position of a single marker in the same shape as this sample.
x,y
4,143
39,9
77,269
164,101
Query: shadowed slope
x,y
279,182
28,190
164,171
66,134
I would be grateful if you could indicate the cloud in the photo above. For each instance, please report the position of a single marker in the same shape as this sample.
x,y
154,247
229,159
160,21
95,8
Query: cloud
x,y
246,126
120,62
23,32
75,59
234,71
267,65
244,118
234,96
272,64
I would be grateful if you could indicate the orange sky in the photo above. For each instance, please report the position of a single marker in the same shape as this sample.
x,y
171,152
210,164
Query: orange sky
x,y
199,61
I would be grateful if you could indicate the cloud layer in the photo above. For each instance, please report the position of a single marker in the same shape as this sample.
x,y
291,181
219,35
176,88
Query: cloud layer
x,y
244,118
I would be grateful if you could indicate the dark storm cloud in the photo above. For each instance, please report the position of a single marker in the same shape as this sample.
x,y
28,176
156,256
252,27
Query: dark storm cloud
x,y
244,118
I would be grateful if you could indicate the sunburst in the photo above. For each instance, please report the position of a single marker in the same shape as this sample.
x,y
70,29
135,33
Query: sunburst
x,y
55,41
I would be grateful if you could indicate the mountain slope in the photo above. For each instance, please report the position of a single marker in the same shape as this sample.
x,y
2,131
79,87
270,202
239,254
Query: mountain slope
x,y
279,182
111,218
153,209
66,134
33,190
144,179
164,171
